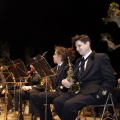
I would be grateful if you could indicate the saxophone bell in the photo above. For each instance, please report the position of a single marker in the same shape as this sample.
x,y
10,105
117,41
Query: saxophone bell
x,y
75,88
49,82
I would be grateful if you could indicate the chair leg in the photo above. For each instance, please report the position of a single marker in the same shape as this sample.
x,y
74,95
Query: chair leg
x,y
103,113
116,118
107,104
109,97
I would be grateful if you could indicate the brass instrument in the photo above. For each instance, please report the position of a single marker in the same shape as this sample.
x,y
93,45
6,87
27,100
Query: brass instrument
x,y
50,86
75,86
43,82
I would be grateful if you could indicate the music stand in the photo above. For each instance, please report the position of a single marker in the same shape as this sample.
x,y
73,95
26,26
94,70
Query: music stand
x,y
37,68
18,69
42,66
19,72
45,68
7,75
6,78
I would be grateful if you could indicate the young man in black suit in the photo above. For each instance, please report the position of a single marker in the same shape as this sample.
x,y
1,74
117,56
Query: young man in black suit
x,y
95,82
39,100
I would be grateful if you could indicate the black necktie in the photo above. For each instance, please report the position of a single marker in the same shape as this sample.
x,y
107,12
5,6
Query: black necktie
x,y
82,66
58,68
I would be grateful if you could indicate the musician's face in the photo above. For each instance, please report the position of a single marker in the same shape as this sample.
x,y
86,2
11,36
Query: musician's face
x,y
56,58
82,48
32,68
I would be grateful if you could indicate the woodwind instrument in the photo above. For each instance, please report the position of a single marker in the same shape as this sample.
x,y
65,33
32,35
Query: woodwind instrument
x,y
49,82
75,87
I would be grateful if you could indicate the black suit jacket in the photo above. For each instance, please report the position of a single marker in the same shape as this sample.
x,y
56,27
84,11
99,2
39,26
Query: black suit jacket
x,y
34,81
61,74
98,77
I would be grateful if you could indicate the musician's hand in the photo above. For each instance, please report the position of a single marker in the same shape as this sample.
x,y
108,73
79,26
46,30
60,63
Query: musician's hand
x,y
66,83
25,88
3,91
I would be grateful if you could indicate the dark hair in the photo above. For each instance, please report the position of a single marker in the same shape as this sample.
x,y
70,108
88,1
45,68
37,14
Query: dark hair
x,y
72,54
83,38
60,50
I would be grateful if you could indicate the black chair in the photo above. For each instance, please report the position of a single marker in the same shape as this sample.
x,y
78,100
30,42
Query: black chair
x,y
108,103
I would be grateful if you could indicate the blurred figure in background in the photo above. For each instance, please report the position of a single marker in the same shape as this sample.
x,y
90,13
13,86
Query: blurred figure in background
x,y
4,91
23,93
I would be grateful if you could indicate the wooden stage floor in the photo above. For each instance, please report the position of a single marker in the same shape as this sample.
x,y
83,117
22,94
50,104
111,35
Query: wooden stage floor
x,y
12,116
28,117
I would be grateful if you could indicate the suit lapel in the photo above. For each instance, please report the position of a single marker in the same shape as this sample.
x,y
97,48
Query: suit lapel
x,y
89,64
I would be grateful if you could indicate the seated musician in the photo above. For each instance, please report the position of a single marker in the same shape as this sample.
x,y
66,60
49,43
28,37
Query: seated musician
x,y
95,77
61,70
24,92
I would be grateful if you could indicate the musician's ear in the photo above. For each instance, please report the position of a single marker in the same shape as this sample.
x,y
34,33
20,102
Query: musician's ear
x,y
88,43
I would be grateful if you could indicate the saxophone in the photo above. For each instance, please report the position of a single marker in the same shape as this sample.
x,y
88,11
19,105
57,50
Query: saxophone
x,y
50,86
49,82
70,77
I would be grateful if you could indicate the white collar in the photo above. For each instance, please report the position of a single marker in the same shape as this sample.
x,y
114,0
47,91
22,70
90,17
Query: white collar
x,y
60,64
87,55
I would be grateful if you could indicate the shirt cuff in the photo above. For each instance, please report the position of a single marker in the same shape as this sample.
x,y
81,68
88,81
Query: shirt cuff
x,y
30,87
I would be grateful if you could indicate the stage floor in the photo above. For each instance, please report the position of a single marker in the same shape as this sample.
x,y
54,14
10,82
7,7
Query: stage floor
x,y
28,117
12,116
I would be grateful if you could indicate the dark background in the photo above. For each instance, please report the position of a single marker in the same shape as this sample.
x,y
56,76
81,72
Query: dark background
x,y
42,25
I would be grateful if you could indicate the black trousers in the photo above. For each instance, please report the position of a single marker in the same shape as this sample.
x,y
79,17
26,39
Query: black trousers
x,y
20,96
39,101
68,105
